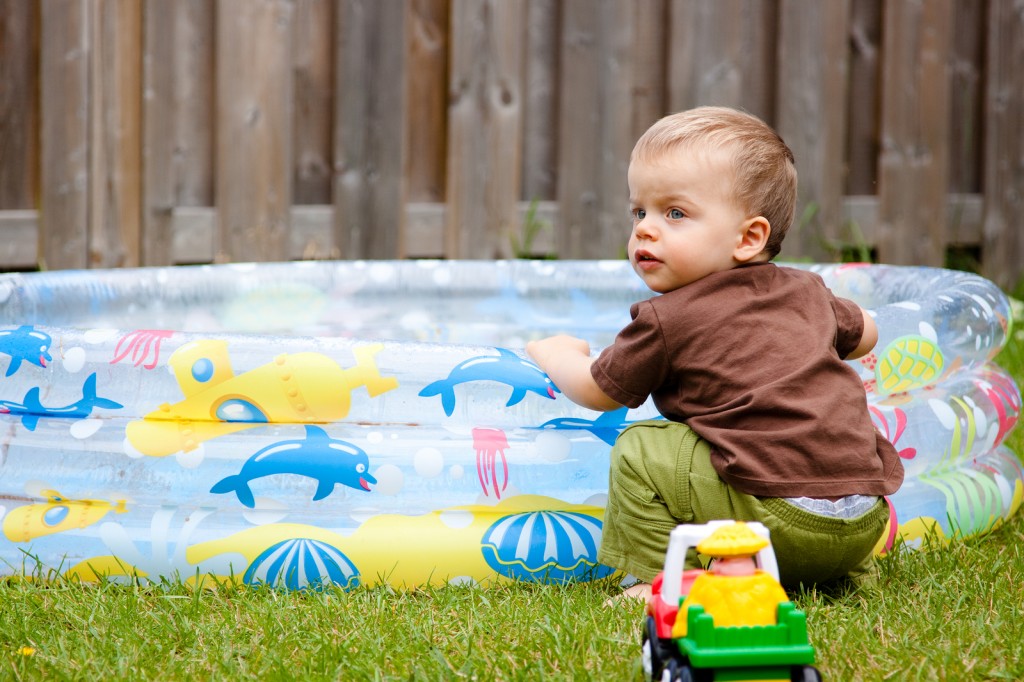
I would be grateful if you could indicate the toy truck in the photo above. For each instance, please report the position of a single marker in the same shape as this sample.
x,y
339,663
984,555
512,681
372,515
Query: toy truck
x,y
775,651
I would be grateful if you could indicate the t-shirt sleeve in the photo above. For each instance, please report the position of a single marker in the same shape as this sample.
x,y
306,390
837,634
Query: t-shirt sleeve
x,y
850,323
636,364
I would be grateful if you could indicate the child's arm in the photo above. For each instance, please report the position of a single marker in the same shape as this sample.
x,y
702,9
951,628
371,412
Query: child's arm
x,y
567,361
867,340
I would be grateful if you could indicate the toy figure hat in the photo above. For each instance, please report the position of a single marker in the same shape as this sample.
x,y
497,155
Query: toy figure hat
x,y
736,539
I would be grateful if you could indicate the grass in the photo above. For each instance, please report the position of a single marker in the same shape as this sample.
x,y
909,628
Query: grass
x,y
952,613
172,632
947,614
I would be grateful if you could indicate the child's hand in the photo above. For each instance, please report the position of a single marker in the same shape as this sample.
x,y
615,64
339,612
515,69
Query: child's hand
x,y
546,351
567,361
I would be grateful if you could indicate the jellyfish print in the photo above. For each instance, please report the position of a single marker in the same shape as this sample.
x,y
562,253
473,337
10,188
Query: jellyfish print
x,y
139,343
490,444
893,434
1005,397
301,564
545,546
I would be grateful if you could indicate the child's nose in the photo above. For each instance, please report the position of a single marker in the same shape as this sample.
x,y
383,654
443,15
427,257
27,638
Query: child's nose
x,y
645,229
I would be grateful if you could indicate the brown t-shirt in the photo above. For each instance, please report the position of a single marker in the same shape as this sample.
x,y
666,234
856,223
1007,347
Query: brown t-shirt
x,y
751,359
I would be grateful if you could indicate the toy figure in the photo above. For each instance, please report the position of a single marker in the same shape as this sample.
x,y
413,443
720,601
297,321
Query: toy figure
x,y
735,591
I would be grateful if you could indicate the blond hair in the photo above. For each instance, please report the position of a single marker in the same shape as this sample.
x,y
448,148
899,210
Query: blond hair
x,y
764,170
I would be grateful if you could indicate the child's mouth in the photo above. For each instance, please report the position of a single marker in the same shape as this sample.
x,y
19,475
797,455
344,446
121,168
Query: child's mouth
x,y
645,259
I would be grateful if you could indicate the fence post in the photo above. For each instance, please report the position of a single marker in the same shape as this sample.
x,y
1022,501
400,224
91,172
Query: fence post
x,y
484,127
254,124
540,100
427,100
369,133
811,117
178,120
115,36
722,53
64,134
594,128
19,109
914,159
1003,239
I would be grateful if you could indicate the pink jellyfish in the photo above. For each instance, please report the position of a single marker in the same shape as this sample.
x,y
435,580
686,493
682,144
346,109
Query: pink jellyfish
x,y
489,445
893,435
1006,401
138,343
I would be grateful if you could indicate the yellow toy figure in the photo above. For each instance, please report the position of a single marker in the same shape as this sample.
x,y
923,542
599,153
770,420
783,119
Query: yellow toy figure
x,y
734,591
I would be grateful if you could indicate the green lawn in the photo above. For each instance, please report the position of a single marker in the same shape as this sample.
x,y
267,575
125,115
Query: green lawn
x,y
950,614
955,613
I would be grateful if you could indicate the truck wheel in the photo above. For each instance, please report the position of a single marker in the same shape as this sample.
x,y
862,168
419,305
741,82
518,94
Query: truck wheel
x,y
805,673
656,652
677,671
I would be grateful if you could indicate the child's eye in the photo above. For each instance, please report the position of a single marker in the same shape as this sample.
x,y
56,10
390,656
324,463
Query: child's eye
x,y
639,213
675,214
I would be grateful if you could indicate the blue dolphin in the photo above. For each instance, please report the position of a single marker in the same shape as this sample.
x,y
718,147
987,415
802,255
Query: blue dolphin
x,y
317,456
25,344
32,409
606,427
506,367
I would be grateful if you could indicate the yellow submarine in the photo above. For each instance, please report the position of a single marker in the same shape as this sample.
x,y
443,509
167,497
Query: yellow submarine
x,y
56,515
294,388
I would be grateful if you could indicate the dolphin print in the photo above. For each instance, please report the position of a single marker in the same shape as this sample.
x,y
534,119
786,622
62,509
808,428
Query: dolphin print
x,y
25,344
317,456
606,427
506,368
32,409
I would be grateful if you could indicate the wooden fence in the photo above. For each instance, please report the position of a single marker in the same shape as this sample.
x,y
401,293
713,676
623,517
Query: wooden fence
x,y
144,132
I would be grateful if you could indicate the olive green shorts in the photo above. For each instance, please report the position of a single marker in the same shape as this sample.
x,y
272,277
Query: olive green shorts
x,y
661,476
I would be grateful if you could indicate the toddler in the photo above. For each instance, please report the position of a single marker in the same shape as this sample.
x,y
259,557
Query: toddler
x,y
744,358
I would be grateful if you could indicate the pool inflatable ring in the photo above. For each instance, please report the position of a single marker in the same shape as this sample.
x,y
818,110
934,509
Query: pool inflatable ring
x,y
354,423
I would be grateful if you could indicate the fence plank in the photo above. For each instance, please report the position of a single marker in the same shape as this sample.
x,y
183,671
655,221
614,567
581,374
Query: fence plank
x,y
115,144
177,154
914,160
966,64
64,143
594,128
314,87
862,137
369,187
811,117
158,138
722,53
484,127
650,94
254,122
540,97
427,102
1003,245
19,108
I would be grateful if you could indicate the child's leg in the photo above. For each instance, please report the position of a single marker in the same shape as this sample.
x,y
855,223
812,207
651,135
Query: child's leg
x,y
809,548
661,476
814,549
648,495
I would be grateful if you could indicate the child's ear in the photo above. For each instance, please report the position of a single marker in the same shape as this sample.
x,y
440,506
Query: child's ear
x,y
753,239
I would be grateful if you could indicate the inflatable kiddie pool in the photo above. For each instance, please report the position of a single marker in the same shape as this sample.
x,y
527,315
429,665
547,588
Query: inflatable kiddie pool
x,y
355,423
